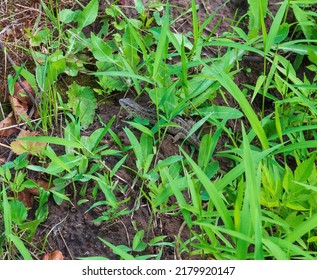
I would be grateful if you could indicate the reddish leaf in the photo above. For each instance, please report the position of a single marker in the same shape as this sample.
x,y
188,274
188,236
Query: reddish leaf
x,y
19,108
55,255
44,184
2,160
21,95
26,198
7,122
33,191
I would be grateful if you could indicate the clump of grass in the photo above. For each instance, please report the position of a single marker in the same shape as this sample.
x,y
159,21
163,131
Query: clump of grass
x,y
263,207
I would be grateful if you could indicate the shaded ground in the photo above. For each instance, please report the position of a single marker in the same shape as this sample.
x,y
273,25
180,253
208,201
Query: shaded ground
x,y
70,229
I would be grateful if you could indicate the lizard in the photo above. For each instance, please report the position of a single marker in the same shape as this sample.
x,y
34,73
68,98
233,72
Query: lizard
x,y
180,131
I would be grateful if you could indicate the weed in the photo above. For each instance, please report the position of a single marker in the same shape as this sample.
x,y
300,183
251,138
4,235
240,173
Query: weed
x,y
261,206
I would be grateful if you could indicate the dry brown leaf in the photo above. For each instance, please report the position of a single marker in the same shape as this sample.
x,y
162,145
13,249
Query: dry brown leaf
x,y
44,184
2,160
33,191
26,198
20,146
55,255
21,95
19,108
7,122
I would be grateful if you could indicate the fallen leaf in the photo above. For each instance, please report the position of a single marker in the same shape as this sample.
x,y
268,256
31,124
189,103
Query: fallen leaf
x,y
54,256
2,160
26,198
19,108
6,123
33,191
20,146
44,184
21,95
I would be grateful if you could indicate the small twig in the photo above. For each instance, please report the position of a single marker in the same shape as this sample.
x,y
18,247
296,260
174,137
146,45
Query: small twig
x,y
69,252
5,146
177,245
127,233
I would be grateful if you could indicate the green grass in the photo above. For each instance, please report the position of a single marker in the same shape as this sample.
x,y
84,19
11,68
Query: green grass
x,y
261,206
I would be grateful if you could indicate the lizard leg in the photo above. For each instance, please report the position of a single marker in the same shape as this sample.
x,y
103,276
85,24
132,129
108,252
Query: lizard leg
x,y
178,136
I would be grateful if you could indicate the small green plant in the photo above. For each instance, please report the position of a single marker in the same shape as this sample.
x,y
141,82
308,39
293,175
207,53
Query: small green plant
x,y
112,205
18,228
138,247
73,166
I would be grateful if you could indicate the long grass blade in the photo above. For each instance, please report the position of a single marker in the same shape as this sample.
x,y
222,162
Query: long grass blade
x,y
214,195
233,89
302,228
253,190
161,46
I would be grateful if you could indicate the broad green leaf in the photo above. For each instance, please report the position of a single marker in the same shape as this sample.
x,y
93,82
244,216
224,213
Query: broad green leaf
x,y
56,65
303,228
135,144
130,47
282,33
257,13
298,47
304,169
60,197
312,56
96,137
18,212
83,103
28,76
100,49
68,15
21,247
312,239
123,74
179,195
117,166
220,112
167,162
139,6
274,249
141,128
88,15
302,20
137,244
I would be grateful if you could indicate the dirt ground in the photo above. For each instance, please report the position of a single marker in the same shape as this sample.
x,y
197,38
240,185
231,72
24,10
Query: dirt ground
x,y
71,229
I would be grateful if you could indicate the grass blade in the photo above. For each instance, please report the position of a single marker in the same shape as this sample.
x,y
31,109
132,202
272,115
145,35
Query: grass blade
x,y
226,81
21,247
302,228
253,195
117,250
161,46
214,194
